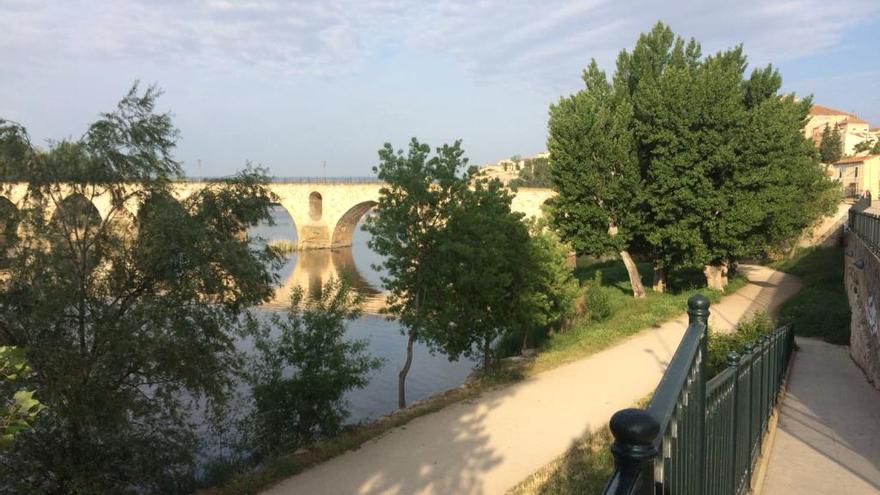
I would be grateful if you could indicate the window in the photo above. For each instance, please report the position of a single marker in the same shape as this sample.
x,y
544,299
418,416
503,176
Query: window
x,y
857,171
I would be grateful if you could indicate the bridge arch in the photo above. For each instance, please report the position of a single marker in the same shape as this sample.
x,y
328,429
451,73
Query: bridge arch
x,y
77,214
344,229
316,206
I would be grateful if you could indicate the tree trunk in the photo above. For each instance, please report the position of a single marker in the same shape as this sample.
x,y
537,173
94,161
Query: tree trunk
x,y
659,284
635,280
401,377
487,353
716,275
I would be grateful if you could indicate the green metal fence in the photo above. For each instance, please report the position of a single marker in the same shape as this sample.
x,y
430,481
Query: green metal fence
x,y
700,436
865,225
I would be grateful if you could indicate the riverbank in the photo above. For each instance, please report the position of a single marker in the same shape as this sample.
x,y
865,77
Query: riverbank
x,y
488,444
629,318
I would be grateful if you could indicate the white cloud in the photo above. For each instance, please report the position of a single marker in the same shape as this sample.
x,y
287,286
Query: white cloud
x,y
522,39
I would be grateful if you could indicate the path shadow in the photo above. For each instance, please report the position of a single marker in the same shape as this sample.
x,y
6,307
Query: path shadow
x,y
439,453
832,410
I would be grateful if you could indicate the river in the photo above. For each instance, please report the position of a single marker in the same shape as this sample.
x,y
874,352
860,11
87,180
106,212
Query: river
x,y
428,375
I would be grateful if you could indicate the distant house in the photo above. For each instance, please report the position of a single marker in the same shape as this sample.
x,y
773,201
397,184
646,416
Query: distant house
x,y
857,175
853,130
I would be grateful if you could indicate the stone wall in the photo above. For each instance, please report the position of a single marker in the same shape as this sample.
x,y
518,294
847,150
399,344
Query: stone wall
x,y
862,281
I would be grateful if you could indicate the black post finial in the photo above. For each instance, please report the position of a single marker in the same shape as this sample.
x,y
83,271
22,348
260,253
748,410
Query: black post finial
x,y
733,359
698,309
635,431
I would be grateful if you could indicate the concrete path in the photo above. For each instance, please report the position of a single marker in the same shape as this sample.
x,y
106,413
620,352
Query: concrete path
x,y
828,435
487,445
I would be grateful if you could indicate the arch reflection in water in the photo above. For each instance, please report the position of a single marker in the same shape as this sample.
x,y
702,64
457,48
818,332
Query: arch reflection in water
x,y
430,374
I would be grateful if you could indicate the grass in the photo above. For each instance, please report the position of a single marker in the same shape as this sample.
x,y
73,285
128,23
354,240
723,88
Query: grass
x,y
821,308
584,468
629,316
284,246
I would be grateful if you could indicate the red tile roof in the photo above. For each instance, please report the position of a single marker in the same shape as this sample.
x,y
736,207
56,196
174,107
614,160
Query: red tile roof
x,y
823,110
855,159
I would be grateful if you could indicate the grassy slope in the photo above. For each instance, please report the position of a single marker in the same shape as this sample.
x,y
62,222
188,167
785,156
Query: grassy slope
x,y
584,338
821,308
630,315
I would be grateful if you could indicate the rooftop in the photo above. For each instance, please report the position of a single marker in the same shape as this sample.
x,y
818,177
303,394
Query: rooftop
x,y
855,159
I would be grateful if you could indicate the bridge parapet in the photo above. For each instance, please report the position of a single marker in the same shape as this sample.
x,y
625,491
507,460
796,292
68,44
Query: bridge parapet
x,y
325,211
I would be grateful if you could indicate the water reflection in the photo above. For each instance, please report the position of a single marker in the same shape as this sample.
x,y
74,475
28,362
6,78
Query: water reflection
x,y
310,269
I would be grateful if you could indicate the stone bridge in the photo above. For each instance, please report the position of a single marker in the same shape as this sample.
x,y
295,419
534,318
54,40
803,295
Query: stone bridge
x,y
325,213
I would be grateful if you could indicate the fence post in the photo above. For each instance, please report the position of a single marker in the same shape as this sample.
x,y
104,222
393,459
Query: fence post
x,y
733,362
635,431
750,435
698,313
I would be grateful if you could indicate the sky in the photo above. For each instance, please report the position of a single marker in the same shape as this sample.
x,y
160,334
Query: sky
x,y
313,88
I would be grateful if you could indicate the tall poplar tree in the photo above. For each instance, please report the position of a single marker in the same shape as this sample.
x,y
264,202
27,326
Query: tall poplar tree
x,y
595,172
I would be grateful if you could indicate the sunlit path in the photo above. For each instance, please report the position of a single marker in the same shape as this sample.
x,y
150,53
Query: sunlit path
x,y
490,444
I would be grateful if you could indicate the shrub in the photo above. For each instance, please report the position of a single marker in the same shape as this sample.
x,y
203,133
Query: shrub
x,y
293,410
598,303
720,344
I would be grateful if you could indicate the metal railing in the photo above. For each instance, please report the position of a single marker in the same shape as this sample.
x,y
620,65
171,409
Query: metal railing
x,y
864,224
301,180
697,436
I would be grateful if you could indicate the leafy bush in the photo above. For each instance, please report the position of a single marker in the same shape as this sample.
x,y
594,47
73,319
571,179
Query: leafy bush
x,y
721,344
821,308
302,375
598,303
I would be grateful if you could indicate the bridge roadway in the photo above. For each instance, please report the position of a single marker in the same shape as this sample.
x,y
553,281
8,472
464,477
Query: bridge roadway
x,y
325,212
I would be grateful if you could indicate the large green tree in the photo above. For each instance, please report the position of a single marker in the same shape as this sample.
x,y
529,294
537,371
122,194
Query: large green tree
x,y
712,148
485,263
598,209
126,316
414,205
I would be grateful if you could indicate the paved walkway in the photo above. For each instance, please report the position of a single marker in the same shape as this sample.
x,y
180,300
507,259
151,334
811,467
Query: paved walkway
x,y
487,445
828,436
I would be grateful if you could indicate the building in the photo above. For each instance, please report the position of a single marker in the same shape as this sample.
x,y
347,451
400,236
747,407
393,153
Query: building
x,y
857,175
853,130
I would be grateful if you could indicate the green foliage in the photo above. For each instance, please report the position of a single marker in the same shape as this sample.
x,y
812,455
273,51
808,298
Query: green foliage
x,y
598,303
535,172
17,413
821,309
413,207
721,344
594,169
127,320
302,374
872,146
694,163
831,146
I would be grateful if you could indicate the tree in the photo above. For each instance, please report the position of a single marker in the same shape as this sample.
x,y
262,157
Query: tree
x,y
548,288
711,150
126,319
831,146
18,412
485,262
535,172
413,206
655,78
778,188
292,410
595,172
872,146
